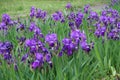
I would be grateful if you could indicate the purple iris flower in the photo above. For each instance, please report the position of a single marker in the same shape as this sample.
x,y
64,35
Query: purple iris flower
x,y
118,25
78,19
39,56
32,26
68,5
103,30
100,31
76,35
32,12
6,18
6,22
55,17
35,64
80,15
24,57
68,46
104,19
51,39
78,22
5,50
86,9
21,27
38,13
48,57
71,25
58,16
93,15
85,46
30,42
3,26
71,16
112,20
41,14
104,13
114,34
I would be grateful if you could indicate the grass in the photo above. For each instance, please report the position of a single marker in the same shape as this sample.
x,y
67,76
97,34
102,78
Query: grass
x,y
18,8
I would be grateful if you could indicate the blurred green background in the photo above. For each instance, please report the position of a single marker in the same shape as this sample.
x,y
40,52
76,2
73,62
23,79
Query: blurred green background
x,y
21,7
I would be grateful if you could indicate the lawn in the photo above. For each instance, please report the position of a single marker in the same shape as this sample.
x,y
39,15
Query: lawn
x,y
21,7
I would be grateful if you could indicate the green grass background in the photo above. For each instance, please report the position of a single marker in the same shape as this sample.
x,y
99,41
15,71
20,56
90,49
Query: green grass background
x,y
22,7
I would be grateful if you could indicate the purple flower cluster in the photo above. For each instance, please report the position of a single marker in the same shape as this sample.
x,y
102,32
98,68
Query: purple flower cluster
x,y
93,16
52,40
40,59
86,9
6,22
39,49
39,53
68,46
68,5
77,38
106,24
58,16
6,51
75,20
38,13
37,32
41,14
80,38
32,12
